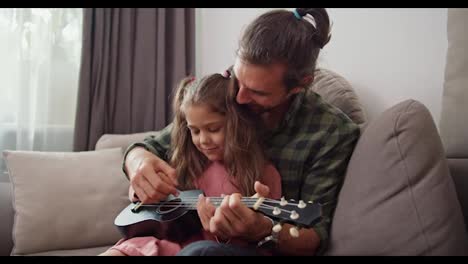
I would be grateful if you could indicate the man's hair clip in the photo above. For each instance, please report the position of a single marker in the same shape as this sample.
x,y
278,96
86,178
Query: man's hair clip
x,y
308,17
226,74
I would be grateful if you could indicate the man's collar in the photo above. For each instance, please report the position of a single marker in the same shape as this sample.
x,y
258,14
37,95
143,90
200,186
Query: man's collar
x,y
294,107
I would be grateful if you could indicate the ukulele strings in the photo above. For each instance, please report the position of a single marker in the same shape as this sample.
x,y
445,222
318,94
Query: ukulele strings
x,y
191,205
215,200
194,207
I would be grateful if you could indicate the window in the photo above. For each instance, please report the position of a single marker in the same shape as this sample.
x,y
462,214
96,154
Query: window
x,y
40,51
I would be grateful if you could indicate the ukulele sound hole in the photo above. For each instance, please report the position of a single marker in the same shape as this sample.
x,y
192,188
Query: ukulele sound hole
x,y
169,206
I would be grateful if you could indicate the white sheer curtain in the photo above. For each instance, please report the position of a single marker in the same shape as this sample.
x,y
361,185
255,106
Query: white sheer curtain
x,y
40,51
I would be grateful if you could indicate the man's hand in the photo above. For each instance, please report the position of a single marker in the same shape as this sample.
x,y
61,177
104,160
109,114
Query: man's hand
x,y
151,177
234,219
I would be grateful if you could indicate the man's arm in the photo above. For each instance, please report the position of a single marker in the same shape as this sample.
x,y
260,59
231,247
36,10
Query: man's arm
x,y
158,144
324,176
150,175
324,172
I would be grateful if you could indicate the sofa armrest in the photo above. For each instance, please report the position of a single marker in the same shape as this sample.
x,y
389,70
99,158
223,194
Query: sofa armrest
x,y
459,172
121,140
6,214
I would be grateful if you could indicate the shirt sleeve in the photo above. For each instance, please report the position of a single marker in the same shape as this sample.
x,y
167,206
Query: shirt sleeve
x,y
158,144
324,175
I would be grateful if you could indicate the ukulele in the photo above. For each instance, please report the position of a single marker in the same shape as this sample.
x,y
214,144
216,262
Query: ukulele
x,y
176,219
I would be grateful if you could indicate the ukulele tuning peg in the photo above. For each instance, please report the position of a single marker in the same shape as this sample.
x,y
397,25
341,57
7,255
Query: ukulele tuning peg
x,y
283,201
277,228
301,204
294,215
294,231
276,211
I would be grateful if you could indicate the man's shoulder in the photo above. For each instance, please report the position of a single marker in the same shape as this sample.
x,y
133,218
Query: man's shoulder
x,y
161,134
325,114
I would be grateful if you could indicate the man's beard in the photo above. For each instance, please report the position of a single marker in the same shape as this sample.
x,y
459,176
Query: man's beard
x,y
259,110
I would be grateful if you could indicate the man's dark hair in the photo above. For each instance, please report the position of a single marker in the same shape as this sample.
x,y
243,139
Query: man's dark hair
x,y
293,38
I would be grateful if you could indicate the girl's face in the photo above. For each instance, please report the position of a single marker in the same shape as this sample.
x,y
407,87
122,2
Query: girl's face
x,y
207,130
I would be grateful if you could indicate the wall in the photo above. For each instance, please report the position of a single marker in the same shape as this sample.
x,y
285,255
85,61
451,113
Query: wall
x,y
388,55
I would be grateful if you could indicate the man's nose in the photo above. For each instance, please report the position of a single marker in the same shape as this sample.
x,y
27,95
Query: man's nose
x,y
243,96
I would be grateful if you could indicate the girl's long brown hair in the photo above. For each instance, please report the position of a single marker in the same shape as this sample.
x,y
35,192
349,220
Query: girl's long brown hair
x,y
243,156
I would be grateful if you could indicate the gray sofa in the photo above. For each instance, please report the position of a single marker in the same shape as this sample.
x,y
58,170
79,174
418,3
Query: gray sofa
x,y
398,197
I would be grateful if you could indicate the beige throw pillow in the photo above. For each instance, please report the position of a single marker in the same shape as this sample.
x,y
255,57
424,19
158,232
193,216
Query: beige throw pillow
x,y
65,200
398,197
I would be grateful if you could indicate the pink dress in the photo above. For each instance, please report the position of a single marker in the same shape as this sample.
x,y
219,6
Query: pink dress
x,y
214,182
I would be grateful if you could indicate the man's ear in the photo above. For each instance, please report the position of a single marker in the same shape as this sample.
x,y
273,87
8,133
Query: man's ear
x,y
296,90
307,80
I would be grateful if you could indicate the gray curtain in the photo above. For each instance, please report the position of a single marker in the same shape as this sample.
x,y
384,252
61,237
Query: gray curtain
x,y
132,60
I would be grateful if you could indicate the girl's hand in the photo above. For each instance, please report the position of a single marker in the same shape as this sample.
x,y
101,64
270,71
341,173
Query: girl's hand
x,y
205,210
235,219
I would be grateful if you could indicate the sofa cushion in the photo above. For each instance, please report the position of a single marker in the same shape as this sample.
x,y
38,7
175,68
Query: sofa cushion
x,y
398,197
459,171
65,200
6,214
453,130
336,90
455,94
94,251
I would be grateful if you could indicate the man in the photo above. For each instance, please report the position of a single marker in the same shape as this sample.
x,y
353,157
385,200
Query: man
x,y
309,141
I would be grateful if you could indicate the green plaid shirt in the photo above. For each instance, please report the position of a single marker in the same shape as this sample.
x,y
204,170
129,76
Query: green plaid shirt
x,y
310,148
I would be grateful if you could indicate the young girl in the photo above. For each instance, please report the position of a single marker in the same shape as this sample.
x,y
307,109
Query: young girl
x,y
215,148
